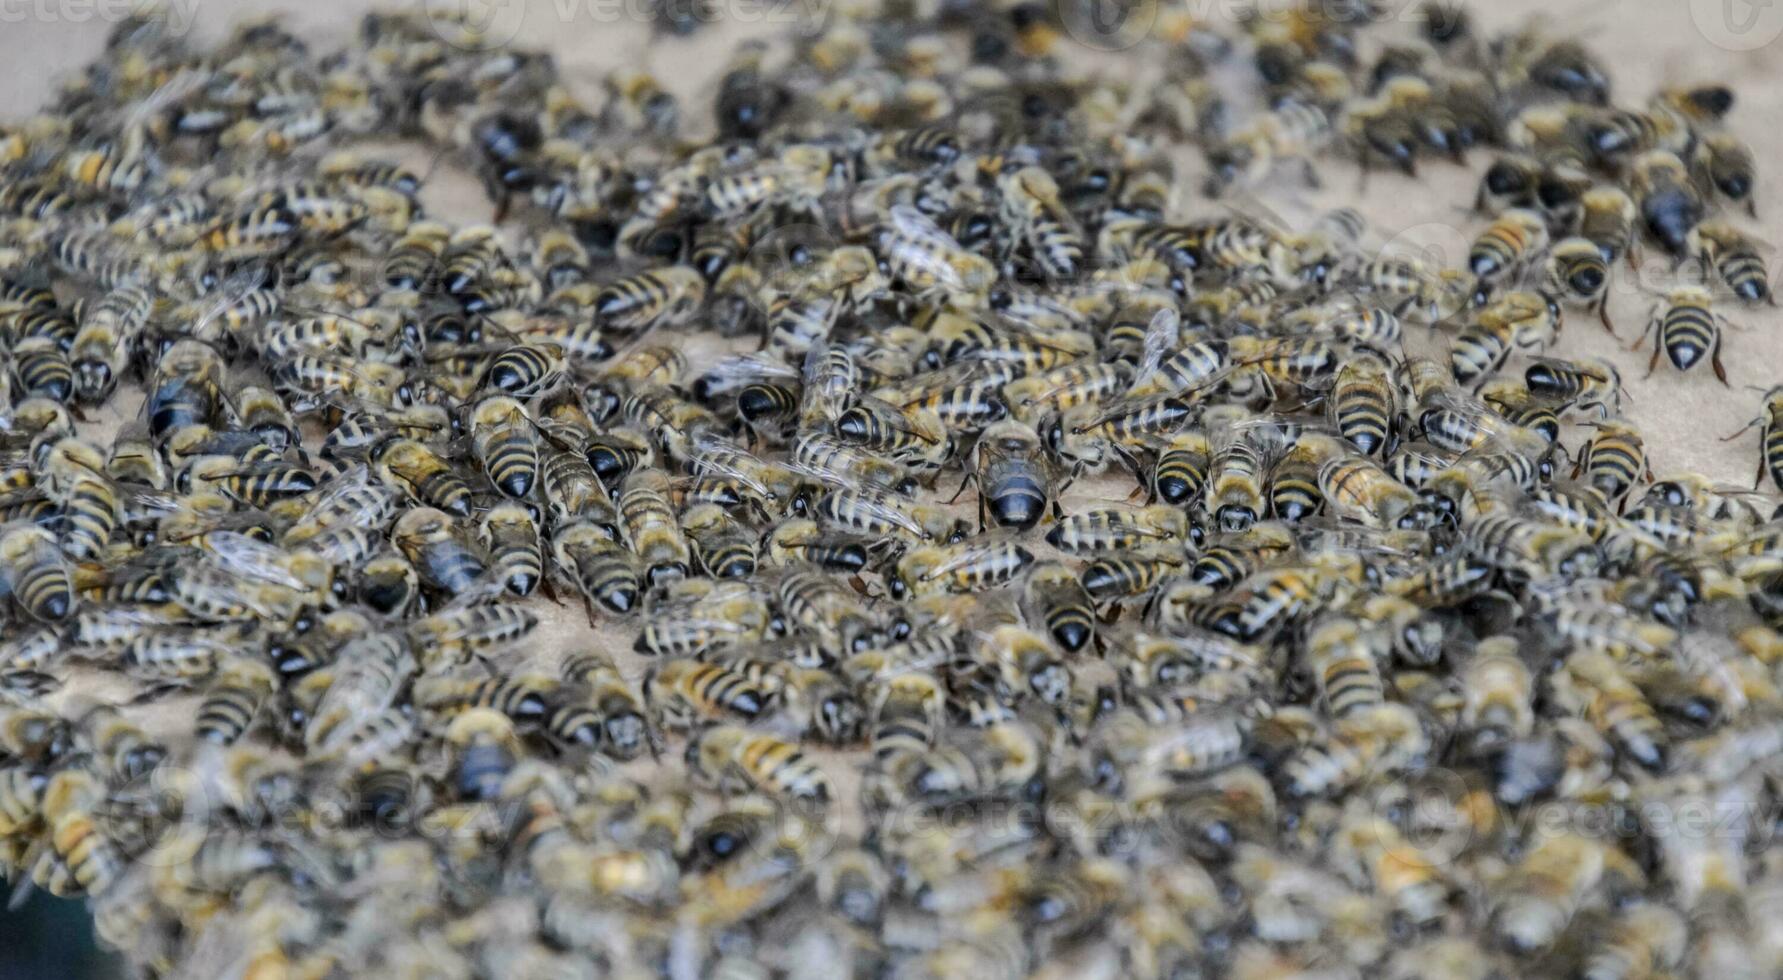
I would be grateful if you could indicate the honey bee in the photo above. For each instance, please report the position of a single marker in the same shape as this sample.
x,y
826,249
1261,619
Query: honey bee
x,y
1522,321
1054,600
33,572
965,567
799,540
1685,326
1577,273
735,758
877,513
505,446
440,554
648,300
603,570
1293,131
1666,196
600,710
425,475
1770,438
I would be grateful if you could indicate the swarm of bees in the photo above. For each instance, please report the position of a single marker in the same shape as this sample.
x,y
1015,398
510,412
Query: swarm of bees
x,y
1267,647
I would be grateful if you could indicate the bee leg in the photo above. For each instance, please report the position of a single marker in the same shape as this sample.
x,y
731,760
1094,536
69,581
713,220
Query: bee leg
x,y
588,606
1058,512
162,689
1311,174
1758,476
1715,362
962,489
1603,315
1741,431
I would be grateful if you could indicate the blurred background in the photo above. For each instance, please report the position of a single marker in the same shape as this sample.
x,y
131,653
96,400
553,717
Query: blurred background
x,y
50,937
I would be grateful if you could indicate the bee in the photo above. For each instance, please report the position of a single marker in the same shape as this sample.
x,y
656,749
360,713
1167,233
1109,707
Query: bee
x,y
1499,694
1726,163
604,571
1733,257
1549,885
914,437
1669,203
1577,273
799,540
485,749
33,572
442,557
388,583
1359,489
254,232
426,476
71,473
836,461
1412,288
1343,654
1293,131
927,259
414,261
1052,599
1684,326
1294,477
1364,404
509,534
80,858
524,370
1078,383
1770,438
1234,494
656,298
1521,321
877,512
235,699
736,759
1030,205
650,529
681,692
502,436
1119,529
1015,487
818,601
1509,245
1115,576
600,710
722,546
966,567
1613,461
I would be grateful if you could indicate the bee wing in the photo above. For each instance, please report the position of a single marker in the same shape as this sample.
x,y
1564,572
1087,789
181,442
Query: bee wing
x,y
1162,335
966,554
928,246
738,370
251,557
883,508
713,453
